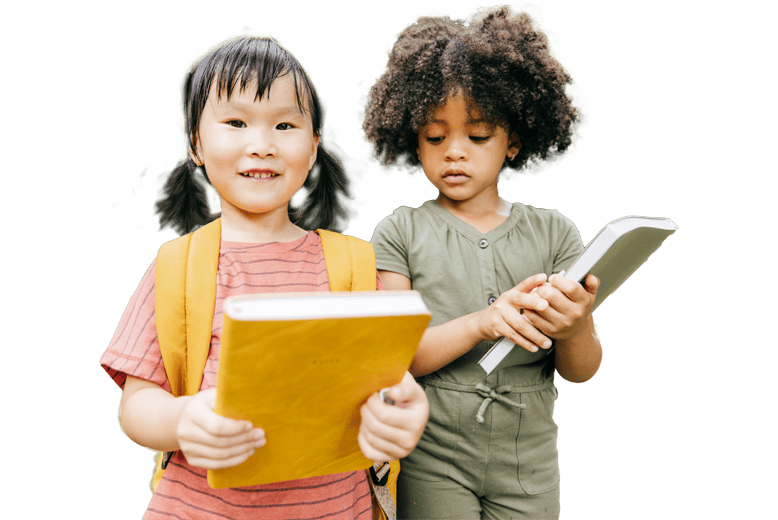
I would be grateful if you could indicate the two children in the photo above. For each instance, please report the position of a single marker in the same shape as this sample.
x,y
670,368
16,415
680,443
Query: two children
x,y
464,101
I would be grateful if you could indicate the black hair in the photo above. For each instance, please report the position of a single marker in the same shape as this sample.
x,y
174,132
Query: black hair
x,y
498,61
237,63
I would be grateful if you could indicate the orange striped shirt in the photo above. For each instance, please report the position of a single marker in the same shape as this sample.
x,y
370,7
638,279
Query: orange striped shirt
x,y
244,268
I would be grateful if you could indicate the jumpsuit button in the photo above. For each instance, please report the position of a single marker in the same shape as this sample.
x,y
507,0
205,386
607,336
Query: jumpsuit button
x,y
491,300
483,243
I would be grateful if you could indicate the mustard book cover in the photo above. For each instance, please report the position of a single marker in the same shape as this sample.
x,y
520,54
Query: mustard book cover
x,y
300,366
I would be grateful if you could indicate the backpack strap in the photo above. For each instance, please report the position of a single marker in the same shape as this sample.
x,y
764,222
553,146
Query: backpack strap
x,y
184,301
350,262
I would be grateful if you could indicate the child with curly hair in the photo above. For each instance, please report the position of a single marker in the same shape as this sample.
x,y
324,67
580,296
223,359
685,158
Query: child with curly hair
x,y
465,100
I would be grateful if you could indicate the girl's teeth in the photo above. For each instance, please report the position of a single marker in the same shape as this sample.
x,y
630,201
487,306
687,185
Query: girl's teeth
x,y
258,175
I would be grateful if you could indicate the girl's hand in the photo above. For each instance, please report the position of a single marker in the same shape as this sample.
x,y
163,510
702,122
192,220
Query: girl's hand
x,y
505,317
389,432
211,441
569,305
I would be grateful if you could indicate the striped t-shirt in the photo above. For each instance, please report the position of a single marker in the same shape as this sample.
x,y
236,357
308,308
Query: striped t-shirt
x,y
244,268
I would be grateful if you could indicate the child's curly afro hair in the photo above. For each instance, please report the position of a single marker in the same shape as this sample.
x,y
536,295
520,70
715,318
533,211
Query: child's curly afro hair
x,y
498,61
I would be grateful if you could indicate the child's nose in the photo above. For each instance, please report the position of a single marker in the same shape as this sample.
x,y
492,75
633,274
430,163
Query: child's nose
x,y
457,150
260,143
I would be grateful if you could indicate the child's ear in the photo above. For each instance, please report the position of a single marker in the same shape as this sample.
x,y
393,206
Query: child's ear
x,y
195,155
314,152
514,145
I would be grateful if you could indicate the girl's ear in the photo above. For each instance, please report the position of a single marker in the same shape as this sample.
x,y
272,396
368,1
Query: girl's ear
x,y
195,158
196,154
314,152
514,145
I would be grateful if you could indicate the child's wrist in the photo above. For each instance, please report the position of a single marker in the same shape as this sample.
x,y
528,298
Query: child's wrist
x,y
477,328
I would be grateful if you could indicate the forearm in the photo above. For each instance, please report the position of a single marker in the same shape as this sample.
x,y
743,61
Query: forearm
x,y
444,343
578,357
150,415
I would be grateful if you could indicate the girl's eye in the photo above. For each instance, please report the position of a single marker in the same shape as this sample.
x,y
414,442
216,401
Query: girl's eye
x,y
434,140
236,123
480,138
284,126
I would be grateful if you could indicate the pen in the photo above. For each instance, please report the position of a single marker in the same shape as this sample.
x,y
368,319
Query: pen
x,y
383,394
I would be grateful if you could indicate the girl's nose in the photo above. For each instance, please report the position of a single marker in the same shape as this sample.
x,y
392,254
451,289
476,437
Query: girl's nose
x,y
260,143
456,151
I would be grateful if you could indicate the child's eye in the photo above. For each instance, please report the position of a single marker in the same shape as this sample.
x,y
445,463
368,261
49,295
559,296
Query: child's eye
x,y
434,140
284,126
480,138
236,123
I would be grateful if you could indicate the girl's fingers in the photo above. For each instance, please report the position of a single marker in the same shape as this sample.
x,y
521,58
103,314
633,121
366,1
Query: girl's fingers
x,y
524,334
200,411
377,448
407,392
372,453
214,452
526,285
217,459
592,284
254,437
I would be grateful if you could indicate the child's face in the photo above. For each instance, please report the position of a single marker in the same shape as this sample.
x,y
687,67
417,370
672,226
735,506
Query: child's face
x,y
257,153
461,153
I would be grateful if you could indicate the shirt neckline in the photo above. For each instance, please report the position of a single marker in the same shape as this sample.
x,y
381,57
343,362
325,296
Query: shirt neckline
x,y
465,229
265,246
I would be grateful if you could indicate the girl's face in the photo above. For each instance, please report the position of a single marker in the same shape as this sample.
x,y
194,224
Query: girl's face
x,y
257,153
462,154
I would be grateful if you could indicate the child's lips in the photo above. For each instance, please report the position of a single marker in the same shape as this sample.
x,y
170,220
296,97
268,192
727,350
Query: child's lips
x,y
455,176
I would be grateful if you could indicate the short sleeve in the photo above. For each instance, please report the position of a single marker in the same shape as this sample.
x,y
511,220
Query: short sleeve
x,y
391,244
134,348
569,244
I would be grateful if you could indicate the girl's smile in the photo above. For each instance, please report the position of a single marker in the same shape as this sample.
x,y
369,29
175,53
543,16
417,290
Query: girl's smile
x,y
257,152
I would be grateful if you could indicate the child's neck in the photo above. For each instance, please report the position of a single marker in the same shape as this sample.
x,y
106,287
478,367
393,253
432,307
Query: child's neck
x,y
258,229
482,214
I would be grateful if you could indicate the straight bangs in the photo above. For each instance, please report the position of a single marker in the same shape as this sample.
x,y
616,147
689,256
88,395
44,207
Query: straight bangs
x,y
239,63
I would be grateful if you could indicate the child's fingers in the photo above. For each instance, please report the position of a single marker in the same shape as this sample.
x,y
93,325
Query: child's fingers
x,y
380,440
406,391
214,452
209,458
592,284
524,334
201,411
385,419
385,436
573,290
531,282
372,453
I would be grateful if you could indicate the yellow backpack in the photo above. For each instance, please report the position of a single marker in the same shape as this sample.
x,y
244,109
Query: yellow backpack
x,y
184,300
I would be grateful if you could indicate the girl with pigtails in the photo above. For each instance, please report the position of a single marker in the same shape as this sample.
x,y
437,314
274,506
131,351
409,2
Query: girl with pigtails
x,y
466,100
254,123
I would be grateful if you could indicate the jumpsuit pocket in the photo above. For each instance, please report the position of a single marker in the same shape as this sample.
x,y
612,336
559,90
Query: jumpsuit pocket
x,y
536,444
432,457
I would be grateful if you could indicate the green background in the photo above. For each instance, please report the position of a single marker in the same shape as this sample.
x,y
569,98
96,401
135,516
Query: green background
x,y
675,424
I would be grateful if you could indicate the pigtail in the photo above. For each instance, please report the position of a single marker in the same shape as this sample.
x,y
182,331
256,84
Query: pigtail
x,y
328,187
184,205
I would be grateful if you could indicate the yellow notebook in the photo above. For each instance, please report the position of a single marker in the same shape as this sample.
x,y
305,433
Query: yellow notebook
x,y
300,366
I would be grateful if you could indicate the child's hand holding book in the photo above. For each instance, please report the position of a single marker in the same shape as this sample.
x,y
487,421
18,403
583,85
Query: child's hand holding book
x,y
504,317
211,441
391,431
569,305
